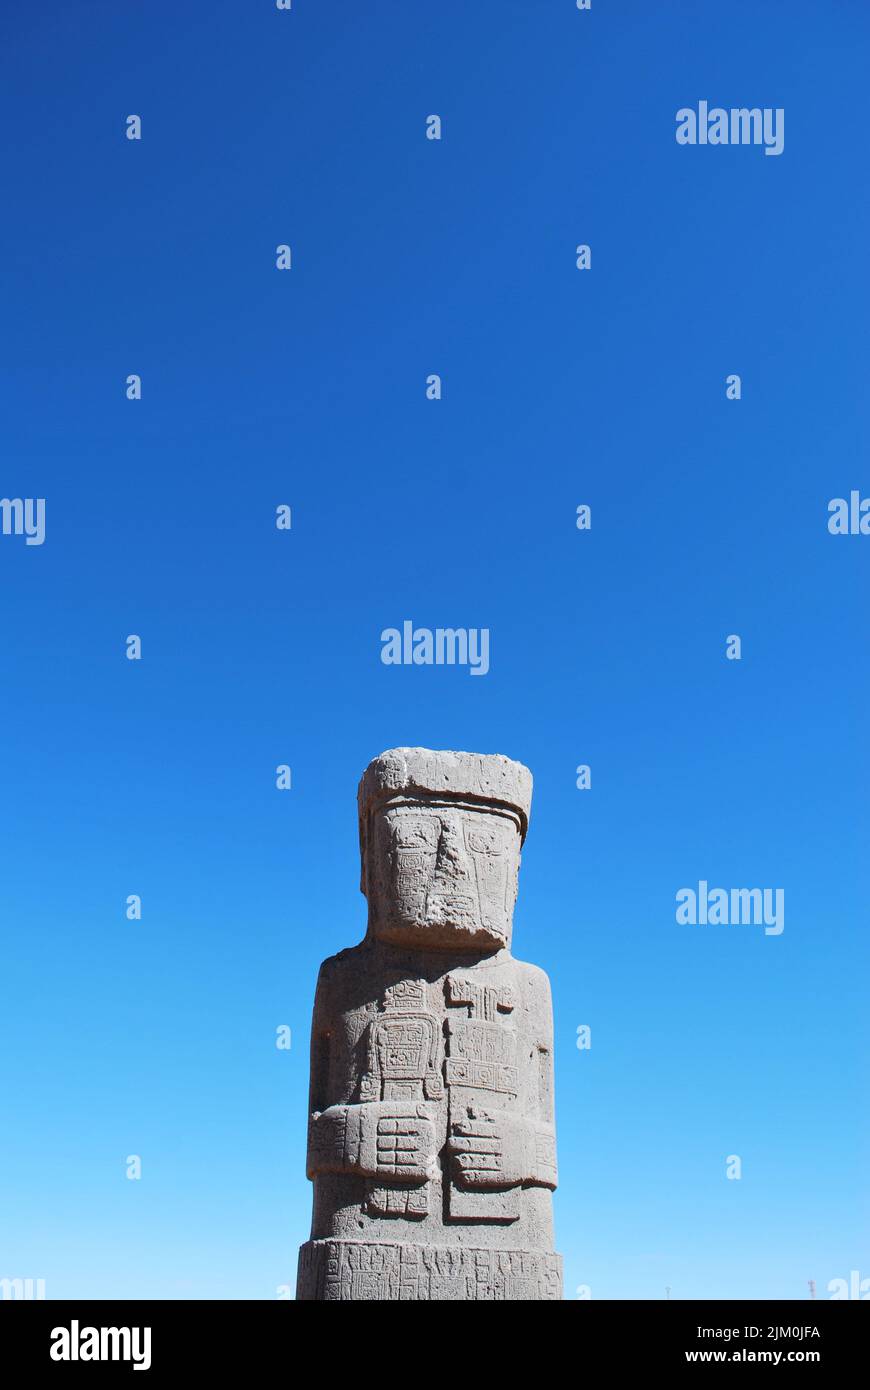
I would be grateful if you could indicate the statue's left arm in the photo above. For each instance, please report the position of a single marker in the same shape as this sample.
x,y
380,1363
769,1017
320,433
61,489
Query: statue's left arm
x,y
492,1147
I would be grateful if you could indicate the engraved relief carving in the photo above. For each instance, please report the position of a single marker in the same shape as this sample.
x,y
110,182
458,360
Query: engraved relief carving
x,y
431,1141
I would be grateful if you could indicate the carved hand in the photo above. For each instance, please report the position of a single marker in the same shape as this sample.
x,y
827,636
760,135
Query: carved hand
x,y
493,1148
397,1141
393,1141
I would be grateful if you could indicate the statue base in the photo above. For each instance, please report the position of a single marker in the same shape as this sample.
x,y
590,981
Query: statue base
x,y
396,1272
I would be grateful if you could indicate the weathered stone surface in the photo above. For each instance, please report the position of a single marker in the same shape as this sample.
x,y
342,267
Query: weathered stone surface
x,y
431,1139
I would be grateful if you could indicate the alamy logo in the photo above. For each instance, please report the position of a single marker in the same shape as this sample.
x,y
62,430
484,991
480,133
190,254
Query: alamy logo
x,y
24,516
855,1287
721,907
741,125
76,1343
441,646
25,1289
849,518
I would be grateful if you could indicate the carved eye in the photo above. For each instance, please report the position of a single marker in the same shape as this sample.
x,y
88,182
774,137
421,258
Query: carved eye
x,y
415,835
483,842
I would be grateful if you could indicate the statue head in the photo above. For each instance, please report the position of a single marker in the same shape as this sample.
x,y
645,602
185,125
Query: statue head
x,y
440,838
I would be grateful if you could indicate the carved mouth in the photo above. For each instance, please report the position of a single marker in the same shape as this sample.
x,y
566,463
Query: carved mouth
x,y
451,908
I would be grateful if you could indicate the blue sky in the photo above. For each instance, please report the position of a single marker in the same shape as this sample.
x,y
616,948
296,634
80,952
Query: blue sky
x,y
261,647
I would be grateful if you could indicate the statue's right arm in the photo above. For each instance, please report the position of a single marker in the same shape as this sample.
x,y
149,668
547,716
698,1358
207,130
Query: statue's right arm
x,y
390,1140
333,1140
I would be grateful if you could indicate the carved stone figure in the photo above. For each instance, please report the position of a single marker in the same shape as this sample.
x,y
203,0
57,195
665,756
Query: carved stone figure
x,y
431,1134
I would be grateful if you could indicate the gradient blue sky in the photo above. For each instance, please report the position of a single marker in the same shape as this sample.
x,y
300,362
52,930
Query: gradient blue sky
x,y
262,647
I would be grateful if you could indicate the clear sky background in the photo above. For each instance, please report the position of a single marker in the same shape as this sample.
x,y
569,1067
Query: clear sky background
x,y
262,647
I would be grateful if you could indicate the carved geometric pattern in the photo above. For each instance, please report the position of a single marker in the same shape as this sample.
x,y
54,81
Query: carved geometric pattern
x,y
339,1270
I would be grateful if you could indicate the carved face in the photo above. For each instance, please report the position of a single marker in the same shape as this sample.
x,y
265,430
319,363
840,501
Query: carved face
x,y
442,874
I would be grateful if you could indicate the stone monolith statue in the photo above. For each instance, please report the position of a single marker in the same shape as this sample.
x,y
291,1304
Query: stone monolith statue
x,y
431,1141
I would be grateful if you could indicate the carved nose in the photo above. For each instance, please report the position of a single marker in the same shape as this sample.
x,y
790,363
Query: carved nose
x,y
449,845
